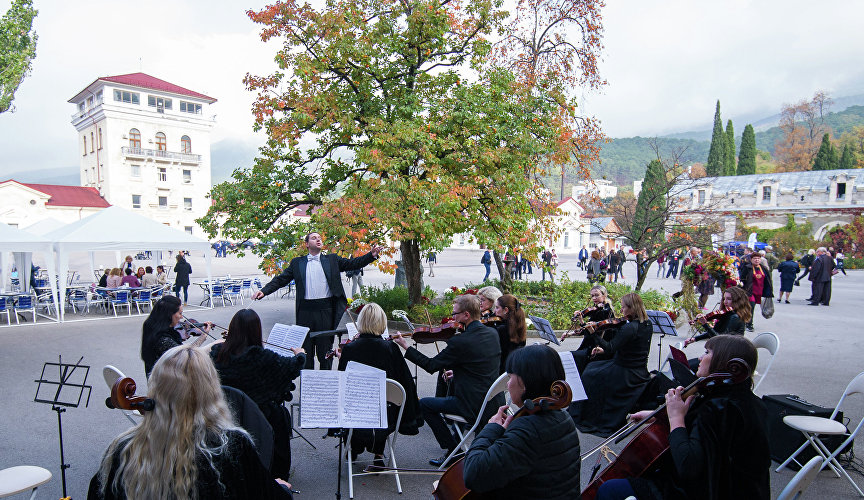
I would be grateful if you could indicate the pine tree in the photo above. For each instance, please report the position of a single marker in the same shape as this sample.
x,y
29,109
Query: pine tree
x,y
826,158
846,160
747,154
717,152
729,160
651,203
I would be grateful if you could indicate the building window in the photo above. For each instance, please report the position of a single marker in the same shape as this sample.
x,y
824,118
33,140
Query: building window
x,y
91,142
701,197
90,102
124,96
136,171
161,144
185,144
187,177
163,202
188,107
462,239
566,239
766,194
81,107
100,137
99,97
187,204
85,145
162,174
136,201
841,190
188,229
134,139
160,103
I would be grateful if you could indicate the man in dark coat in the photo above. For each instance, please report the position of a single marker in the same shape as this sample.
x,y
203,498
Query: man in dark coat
x,y
321,298
820,276
471,359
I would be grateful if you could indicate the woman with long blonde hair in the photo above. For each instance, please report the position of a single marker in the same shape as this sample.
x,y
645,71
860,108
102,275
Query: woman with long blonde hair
x,y
188,447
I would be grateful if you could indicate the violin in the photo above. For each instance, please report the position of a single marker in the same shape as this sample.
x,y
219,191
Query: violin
x,y
597,326
644,451
123,397
452,483
708,317
577,316
191,327
429,334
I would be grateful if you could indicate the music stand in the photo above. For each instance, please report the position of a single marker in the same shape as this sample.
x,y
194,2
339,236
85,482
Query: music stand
x,y
662,324
544,329
68,393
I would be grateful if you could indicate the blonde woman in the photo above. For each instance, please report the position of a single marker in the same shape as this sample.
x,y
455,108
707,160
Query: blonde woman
x,y
188,446
487,295
115,278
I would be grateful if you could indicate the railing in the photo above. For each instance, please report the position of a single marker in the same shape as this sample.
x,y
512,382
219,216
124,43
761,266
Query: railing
x,y
155,153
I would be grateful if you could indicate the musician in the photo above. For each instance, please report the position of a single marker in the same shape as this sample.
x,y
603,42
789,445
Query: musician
x,y
158,333
487,295
511,331
533,456
718,444
600,309
321,298
732,323
264,375
613,386
473,357
370,349
188,446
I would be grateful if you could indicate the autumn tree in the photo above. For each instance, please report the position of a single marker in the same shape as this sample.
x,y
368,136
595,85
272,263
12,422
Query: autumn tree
x,y
826,158
17,49
802,125
729,159
747,153
717,153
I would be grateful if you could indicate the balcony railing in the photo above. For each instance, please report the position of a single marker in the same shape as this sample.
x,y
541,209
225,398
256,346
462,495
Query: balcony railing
x,y
166,155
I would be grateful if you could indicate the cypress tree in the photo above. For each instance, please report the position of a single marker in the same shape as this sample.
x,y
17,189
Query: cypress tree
x,y
846,160
826,158
747,154
651,204
717,152
729,160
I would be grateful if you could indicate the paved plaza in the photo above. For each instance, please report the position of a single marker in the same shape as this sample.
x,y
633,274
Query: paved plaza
x,y
820,352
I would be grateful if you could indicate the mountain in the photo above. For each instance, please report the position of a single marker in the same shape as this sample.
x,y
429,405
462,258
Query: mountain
x,y
63,176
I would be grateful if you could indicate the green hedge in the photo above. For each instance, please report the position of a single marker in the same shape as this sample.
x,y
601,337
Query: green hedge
x,y
853,263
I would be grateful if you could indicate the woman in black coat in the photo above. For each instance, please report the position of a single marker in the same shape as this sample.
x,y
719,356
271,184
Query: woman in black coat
x,y
264,375
613,386
601,309
532,456
511,331
756,277
158,333
181,281
731,323
370,349
788,270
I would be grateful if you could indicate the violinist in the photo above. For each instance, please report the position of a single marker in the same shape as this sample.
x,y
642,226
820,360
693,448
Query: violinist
x,y
731,323
158,333
264,375
614,385
599,310
487,295
718,444
188,446
370,349
533,456
473,359
512,329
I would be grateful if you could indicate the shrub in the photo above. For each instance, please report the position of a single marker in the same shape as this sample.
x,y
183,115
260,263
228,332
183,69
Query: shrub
x,y
853,263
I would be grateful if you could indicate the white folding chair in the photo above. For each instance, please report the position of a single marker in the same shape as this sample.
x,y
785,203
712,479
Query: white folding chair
x,y
771,343
813,427
111,374
19,479
395,395
802,480
499,386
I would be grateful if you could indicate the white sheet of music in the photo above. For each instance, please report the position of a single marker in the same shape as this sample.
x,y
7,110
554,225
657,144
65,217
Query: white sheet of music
x,y
572,373
283,337
352,329
319,399
355,398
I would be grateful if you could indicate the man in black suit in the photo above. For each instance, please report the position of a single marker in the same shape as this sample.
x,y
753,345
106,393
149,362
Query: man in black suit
x,y
471,359
320,297
820,274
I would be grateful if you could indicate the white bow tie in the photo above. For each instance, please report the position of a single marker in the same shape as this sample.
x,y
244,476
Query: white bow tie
x,y
314,257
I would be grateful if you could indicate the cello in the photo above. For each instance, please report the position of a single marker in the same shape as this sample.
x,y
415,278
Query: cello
x,y
451,486
652,442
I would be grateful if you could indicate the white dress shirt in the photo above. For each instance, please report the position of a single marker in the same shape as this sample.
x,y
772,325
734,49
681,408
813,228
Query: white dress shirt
x,y
316,281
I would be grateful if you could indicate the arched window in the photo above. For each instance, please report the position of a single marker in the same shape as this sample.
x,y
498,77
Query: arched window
x,y
134,138
185,144
161,144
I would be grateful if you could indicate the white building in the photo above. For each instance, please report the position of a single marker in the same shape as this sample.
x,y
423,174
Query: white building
x,y
22,205
601,188
145,146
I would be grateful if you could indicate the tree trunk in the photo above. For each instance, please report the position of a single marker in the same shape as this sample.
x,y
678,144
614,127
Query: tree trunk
x,y
411,261
640,275
503,273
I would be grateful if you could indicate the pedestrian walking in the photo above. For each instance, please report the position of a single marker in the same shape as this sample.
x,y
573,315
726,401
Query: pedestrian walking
x,y
806,262
486,260
661,265
821,271
546,257
431,259
840,266
583,257
788,270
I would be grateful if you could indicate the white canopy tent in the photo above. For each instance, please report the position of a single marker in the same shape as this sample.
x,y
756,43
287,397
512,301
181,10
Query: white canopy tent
x,y
117,229
44,226
22,244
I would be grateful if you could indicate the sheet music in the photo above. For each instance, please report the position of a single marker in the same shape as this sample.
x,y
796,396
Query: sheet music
x,y
364,399
572,376
283,337
319,399
352,329
354,365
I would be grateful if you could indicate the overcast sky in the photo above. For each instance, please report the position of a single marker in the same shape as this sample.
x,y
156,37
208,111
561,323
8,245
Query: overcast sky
x,y
667,62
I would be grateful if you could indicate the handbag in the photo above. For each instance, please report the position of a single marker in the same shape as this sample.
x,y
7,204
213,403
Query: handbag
x,y
767,307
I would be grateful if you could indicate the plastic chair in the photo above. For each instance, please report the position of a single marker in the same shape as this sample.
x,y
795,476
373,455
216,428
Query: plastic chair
x,y
5,309
499,386
100,298
157,292
813,427
217,292
19,479
121,300
143,298
246,287
76,297
25,304
771,343
289,289
395,395
233,292
802,480
111,374
45,301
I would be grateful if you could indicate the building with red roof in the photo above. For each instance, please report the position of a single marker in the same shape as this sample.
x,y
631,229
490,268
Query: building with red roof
x,y
24,204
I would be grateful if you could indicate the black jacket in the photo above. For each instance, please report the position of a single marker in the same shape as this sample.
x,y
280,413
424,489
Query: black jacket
x,y
537,456
821,269
474,357
333,266
182,270
746,274
152,347
263,375
728,324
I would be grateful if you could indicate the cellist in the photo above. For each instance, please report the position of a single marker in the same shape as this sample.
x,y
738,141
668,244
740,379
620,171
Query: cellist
x,y
718,445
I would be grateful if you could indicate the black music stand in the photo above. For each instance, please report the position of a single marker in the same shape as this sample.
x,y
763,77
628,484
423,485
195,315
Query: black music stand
x,y
662,324
544,329
64,391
